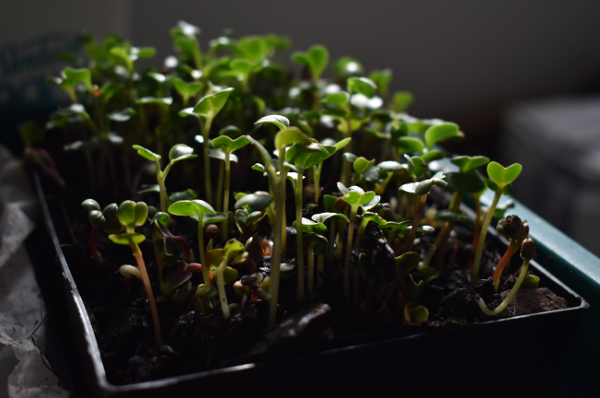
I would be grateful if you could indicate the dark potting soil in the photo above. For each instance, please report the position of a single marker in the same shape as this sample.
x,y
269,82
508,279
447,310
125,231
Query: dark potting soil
x,y
194,342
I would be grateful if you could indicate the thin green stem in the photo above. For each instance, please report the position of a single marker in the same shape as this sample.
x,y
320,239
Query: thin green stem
x,y
219,199
346,167
225,232
443,235
416,221
299,239
317,181
276,260
205,127
361,232
277,237
510,295
484,227
353,210
197,55
148,288
202,253
221,288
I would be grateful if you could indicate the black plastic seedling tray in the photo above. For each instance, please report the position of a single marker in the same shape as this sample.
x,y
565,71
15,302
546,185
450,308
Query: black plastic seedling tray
x,y
517,356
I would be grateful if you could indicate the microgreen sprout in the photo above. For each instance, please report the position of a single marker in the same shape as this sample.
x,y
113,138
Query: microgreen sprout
x,y
527,253
106,220
234,252
206,110
132,215
167,249
177,153
250,209
185,36
513,228
315,58
318,244
421,189
286,136
355,197
500,180
367,217
303,157
331,146
338,106
203,213
467,180
226,145
334,218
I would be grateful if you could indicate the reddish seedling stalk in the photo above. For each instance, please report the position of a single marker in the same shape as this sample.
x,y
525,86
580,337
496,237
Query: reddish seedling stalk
x,y
132,215
196,267
92,246
137,253
503,261
513,228
527,252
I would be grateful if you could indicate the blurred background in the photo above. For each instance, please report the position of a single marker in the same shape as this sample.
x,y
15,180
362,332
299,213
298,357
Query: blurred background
x,y
521,78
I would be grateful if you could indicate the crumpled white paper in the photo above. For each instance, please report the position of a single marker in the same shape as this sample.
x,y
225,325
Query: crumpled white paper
x,y
23,373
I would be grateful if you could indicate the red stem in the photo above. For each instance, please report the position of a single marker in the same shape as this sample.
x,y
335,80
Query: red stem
x,y
503,261
196,267
92,246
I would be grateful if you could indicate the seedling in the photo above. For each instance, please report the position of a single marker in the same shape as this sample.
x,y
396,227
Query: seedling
x,y
315,58
527,253
421,189
355,197
185,89
203,213
500,180
206,110
106,220
303,157
177,153
226,145
339,107
334,217
232,132
168,248
233,253
313,231
286,136
132,215
250,209
71,78
317,245
185,36
366,218
411,292
467,180
513,228
318,157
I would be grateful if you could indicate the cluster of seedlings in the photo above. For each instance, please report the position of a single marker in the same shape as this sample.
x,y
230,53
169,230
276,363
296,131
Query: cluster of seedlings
x,y
361,170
